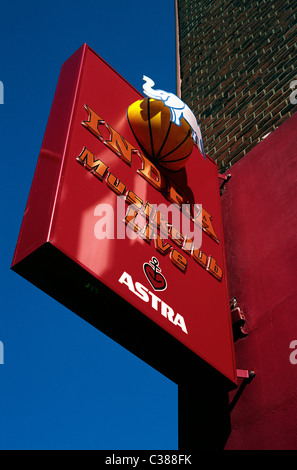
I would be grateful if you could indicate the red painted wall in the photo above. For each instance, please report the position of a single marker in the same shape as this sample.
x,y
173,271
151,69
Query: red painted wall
x,y
260,222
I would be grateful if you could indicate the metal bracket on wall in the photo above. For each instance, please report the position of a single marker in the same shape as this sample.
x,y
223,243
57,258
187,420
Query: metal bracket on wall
x,y
247,376
225,180
238,320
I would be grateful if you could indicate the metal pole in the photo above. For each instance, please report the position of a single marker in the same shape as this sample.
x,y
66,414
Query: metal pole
x,y
203,416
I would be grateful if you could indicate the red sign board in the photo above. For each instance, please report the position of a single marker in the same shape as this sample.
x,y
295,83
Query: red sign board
x,y
93,237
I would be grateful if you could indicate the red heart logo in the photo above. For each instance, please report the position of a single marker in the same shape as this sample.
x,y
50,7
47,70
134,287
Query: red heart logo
x,y
155,278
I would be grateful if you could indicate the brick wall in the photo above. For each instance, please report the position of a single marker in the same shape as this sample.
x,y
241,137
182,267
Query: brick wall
x,y
237,60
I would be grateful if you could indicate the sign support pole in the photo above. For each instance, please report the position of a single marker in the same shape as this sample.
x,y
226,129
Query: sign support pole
x,y
203,416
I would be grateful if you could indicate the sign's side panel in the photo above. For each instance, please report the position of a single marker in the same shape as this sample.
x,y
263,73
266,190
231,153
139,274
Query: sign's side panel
x,y
208,295
224,306
38,214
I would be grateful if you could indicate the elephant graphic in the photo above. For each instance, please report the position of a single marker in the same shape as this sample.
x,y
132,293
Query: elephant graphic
x,y
178,110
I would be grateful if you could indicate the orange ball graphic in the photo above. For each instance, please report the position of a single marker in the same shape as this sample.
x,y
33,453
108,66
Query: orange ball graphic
x,y
160,139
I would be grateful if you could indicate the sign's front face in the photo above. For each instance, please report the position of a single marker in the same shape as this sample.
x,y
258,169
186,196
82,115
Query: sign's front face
x,y
152,236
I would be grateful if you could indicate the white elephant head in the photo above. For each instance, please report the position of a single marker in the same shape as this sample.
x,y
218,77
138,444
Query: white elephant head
x,y
169,99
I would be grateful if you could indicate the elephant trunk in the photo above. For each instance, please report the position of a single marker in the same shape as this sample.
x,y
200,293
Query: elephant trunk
x,y
147,88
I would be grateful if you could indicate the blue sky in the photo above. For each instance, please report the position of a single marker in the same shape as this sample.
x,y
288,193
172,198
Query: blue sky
x,y
63,384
